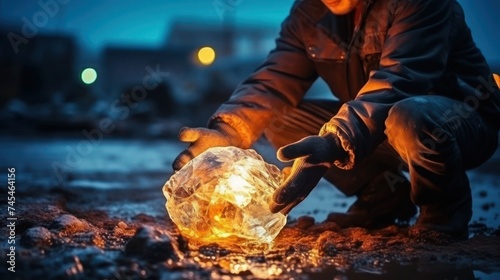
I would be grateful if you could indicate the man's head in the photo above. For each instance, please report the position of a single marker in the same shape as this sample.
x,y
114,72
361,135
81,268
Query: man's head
x,y
341,7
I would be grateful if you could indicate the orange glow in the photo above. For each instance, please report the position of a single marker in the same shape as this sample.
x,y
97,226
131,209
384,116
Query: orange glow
x,y
222,196
497,79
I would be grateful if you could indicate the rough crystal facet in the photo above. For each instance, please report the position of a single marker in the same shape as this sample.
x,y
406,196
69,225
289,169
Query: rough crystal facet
x,y
223,196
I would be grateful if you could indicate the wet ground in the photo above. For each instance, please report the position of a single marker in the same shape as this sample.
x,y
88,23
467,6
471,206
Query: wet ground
x,y
95,211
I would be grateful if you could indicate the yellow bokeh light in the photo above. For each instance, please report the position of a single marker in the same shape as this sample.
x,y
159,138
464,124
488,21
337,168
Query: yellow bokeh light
x,y
89,75
206,55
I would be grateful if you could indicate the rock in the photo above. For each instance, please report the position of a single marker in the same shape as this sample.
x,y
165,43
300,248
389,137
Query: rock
x,y
305,222
488,206
483,193
88,238
36,237
69,224
389,231
91,262
325,226
425,235
223,195
212,251
122,229
329,250
144,218
151,244
122,225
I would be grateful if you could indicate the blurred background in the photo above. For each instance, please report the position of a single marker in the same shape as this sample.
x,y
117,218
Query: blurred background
x,y
145,68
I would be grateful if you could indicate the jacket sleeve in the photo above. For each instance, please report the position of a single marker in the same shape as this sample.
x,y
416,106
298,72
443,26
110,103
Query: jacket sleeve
x,y
412,61
282,80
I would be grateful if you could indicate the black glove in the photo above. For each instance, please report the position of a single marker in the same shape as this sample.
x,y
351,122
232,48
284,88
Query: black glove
x,y
313,155
202,139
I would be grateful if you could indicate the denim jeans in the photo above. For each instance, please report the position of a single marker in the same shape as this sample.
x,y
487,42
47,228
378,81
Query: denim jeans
x,y
435,138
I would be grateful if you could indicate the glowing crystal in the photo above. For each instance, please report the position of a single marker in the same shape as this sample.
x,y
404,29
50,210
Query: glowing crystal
x,y
223,196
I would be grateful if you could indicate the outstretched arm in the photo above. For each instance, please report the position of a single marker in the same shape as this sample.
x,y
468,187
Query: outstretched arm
x,y
283,78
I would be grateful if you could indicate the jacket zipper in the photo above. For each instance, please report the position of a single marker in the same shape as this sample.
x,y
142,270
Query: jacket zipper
x,y
354,38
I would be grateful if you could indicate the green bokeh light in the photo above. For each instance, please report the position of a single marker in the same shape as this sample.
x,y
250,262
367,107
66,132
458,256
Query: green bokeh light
x,y
89,75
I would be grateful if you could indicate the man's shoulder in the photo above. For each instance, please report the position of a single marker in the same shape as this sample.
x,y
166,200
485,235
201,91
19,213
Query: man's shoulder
x,y
419,3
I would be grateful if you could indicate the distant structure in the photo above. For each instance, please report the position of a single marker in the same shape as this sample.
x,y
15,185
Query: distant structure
x,y
188,79
41,67
227,39
185,79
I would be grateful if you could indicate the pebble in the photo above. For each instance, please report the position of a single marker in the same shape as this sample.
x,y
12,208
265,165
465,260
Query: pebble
x,y
36,237
122,225
305,222
69,224
122,229
488,206
90,262
389,231
483,193
330,250
151,244
213,251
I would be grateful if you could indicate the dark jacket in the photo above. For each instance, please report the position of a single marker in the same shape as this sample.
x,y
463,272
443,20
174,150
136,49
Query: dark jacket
x,y
399,49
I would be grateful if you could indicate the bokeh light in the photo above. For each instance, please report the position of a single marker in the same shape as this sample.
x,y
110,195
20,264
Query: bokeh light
x,y
89,75
206,55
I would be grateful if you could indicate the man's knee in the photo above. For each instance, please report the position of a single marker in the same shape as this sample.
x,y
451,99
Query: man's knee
x,y
404,119
410,125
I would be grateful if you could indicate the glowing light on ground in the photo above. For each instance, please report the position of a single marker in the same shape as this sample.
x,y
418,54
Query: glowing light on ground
x,y
223,196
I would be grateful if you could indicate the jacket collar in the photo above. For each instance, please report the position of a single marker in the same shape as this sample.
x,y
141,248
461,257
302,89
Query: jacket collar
x,y
316,11
320,15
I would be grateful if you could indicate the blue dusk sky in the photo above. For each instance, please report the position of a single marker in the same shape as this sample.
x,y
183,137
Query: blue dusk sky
x,y
96,23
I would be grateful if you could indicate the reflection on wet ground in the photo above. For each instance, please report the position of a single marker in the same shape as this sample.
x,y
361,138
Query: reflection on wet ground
x,y
114,188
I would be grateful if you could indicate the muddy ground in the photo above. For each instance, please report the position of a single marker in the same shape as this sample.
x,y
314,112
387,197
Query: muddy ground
x,y
96,211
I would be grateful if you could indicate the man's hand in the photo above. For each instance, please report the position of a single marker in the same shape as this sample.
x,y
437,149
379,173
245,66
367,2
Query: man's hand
x,y
202,139
313,156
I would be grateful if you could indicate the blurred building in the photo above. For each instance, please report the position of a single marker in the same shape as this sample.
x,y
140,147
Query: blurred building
x,y
42,66
124,66
190,84
228,39
43,75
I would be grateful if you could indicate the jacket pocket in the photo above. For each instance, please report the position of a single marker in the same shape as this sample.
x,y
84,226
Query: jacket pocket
x,y
319,47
